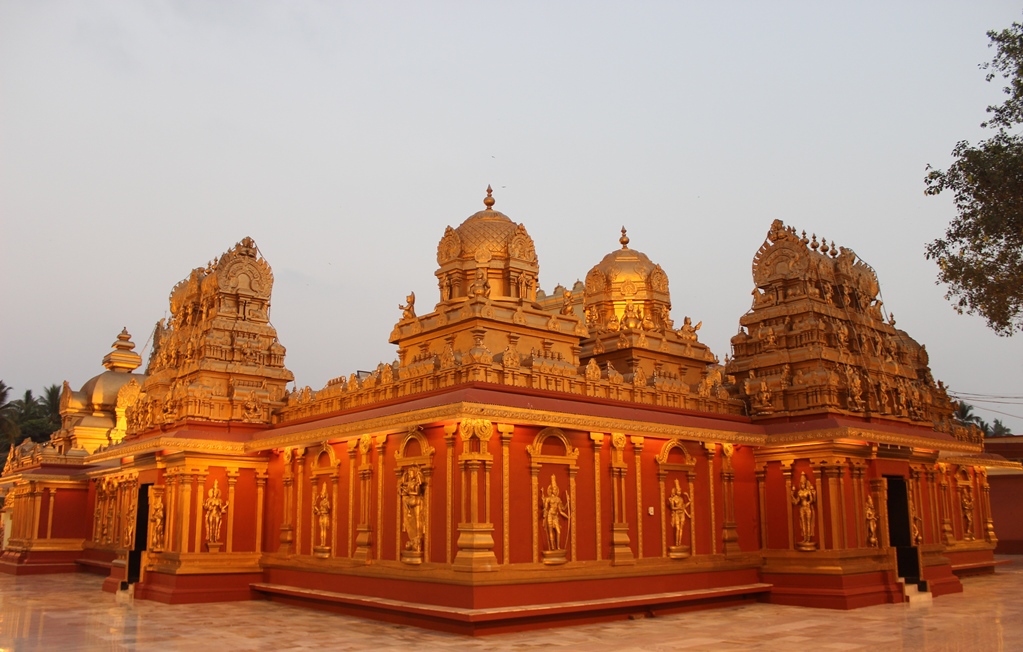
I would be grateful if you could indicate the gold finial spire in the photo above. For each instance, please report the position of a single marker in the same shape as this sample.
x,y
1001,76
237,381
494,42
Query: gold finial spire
x,y
489,201
624,239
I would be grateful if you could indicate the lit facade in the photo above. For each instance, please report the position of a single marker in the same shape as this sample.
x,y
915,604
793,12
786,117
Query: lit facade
x,y
528,459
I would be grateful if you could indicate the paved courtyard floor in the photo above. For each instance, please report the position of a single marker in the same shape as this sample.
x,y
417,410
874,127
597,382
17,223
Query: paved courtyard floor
x,y
70,613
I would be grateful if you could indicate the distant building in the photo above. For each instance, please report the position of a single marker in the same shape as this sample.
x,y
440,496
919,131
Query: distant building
x,y
528,459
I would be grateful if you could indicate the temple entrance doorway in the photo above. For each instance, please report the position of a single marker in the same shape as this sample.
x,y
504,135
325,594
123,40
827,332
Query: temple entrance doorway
x,y
899,530
134,570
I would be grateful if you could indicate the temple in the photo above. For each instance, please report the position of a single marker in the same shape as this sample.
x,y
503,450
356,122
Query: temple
x,y
529,459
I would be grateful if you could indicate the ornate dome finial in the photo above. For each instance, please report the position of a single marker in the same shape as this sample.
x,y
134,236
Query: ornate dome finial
x,y
489,201
624,239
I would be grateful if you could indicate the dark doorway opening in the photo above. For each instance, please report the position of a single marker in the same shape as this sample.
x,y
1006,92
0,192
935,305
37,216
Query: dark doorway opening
x,y
134,571
900,530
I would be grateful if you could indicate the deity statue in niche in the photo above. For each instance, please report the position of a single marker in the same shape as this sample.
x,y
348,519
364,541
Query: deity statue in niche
x,y
870,513
408,309
321,509
480,284
805,497
156,519
966,502
215,507
681,506
411,489
554,509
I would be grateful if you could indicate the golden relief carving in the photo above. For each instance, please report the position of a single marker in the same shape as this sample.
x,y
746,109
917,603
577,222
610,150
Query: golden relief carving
x,y
680,504
870,514
215,507
805,497
966,505
322,511
411,488
554,509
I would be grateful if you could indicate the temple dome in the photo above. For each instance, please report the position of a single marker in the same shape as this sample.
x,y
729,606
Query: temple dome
x,y
486,235
626,274
100,392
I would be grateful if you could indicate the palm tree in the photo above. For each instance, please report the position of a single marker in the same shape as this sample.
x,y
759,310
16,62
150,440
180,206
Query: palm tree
x,y
50,401
999,429
9,430
964,414
985,427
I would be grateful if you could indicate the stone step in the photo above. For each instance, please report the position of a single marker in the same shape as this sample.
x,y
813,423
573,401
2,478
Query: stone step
x,y
911,591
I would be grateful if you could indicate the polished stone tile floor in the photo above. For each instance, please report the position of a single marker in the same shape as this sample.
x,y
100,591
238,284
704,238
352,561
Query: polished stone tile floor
x,y
70,613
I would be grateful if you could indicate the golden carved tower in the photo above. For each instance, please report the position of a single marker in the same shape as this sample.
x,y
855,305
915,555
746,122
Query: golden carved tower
x,y
816,339
217,358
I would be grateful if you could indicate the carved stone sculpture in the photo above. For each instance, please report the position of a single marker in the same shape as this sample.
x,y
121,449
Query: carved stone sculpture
x,y
966,502
215,507
554,509
411,488
870,513
321,510
408,309
805,497
681,506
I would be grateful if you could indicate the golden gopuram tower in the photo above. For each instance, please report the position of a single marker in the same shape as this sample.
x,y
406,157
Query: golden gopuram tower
x,y
529,458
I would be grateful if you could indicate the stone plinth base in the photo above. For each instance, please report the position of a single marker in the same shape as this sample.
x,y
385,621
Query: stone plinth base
x,y
475,548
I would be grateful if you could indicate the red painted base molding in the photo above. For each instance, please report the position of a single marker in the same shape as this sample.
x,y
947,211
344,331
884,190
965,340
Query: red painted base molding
x,y
38,562
189,589
833,591
507,607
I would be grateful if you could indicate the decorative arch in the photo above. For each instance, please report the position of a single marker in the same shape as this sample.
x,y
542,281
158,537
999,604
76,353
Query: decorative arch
x,y
537,459
420,468
679,471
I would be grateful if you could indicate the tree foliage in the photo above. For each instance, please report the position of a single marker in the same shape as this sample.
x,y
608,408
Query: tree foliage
x,y
29,417
981,256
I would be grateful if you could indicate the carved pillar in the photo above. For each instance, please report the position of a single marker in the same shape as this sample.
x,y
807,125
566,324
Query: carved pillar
x,y
200,491
621,552
506,430
598,441
334,501
297,507
989,523
261,477
381,442
287,535
711,453
170,527
364,538
947,533
833,473
859,499
818,471
449,440
730,535
232,480
761,474
351,497
879,487
185,490
786,470
932,497
51,495
637,447
475,537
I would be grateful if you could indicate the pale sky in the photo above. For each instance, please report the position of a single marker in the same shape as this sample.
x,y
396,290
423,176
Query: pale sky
x,y
141,139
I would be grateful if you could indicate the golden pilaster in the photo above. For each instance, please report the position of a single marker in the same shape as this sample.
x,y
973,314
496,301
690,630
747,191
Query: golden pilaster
x,y
761,475
598,441
712,480
637,447
232,479
506,430
621,552
260,500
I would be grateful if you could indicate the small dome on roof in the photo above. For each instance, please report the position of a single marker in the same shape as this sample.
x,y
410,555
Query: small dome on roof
x,y
486,235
